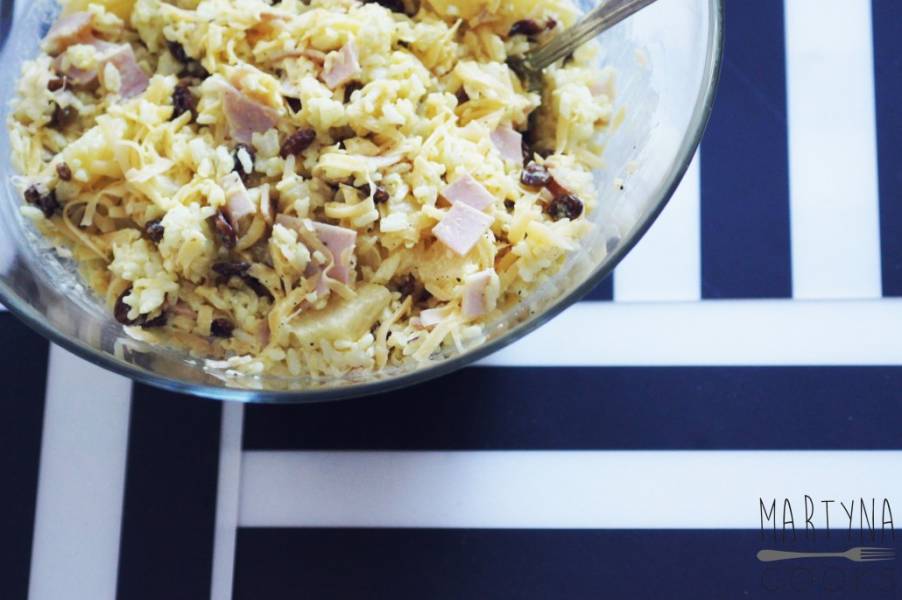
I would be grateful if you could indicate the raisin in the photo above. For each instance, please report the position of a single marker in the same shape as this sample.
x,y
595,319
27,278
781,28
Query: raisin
x,y
567,206
224,230
228,269
556,188
535,175
195,70
178,52
63,171
63,116
56,84
392,5
258,288
154,231
120,311
406,285
183,101
33,194
48,203
293,103
221,328
238,165
509,204
527,27
158,321
462,96
550,23
351,88
379,196
297,142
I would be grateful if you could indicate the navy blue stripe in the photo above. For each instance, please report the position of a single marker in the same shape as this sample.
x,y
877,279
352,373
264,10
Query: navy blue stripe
x,y
629,408
397,564
23,370
169,509
887,16
602,291
744,162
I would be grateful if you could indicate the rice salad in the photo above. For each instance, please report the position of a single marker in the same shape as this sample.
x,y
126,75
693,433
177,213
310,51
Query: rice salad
x,y
309,189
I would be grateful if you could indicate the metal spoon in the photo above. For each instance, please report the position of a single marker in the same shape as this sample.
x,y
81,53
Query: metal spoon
x,y
604,16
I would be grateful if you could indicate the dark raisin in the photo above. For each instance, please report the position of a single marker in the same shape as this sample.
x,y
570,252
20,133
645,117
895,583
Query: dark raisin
x,y
183,101
550,23
392,5
238,165
33,194
120,310
258,288
178,52
154,231
63,171
297,142
462,96
221,328
224,230
406,285
293,103
556,188
56,84
527,27
48,203
535,175
380,196
194,69
63,116
351,88
567,206
158,321
227,269
509,204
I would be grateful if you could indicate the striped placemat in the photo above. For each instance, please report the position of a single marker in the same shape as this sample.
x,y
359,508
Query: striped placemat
x,y
644,444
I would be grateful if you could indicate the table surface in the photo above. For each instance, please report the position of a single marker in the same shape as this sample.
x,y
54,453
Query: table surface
x,y
746,353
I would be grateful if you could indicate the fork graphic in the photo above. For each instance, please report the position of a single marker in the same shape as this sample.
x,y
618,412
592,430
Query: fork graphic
x,y
859,554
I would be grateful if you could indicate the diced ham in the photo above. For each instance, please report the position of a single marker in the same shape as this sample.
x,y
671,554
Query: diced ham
x,y
133,80
69,30
509,143
74,75
461,227
340,242
469,191
238,203
341,66
245,116
473,304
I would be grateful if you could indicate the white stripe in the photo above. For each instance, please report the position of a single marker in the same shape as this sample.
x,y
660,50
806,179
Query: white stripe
x,y
228,491
666,263
81,482
741,332
530,489
832,149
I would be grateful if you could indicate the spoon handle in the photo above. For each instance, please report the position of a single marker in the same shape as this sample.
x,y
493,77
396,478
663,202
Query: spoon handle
x,y
605,15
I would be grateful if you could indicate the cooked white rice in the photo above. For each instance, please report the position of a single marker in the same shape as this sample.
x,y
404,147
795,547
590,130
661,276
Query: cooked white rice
x,y
142,197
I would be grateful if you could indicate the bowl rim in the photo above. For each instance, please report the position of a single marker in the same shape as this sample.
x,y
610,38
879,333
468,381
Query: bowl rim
x,y
697,124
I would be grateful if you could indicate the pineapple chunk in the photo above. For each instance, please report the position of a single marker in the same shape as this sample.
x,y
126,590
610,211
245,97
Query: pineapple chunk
x,y
343,319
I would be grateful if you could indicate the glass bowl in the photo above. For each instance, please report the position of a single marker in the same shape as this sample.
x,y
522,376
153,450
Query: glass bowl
x,y
667,59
